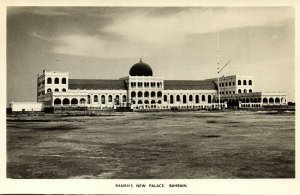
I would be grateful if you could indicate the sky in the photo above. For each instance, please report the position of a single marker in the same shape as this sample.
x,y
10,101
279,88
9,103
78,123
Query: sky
x,y
177,42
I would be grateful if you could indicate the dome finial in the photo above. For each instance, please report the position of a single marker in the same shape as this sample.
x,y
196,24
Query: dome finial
x,y
141,60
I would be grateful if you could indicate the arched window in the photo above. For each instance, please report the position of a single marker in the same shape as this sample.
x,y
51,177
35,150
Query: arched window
x,y
247,100
64,90
165,98
82,101
239,82
159,101
277,101
140,102
57,101
102,99
250,90
171,99
74,101
250,82
66,102
110,98
140,94
178,98
191,98
152,94
56,90
271,101
124,98
152,101
203,98
158,84
184,99
209,99
146,94
117,99
265,100
245,90
197,99
49,90
133,94
146,102
49,80
63,81
244,82
88,99
255,100
56,80
133,102
283,100
95,98
159,94
239,91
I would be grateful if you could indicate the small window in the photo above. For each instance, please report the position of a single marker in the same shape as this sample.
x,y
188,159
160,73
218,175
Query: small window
x,y
95,98
133,94
49,81
203,97
64,90
56,90
165,98
244,82
159,94
56,81
63,80
239,82
102,99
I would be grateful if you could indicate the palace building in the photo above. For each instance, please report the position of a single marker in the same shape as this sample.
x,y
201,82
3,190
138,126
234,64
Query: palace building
x,y
141,91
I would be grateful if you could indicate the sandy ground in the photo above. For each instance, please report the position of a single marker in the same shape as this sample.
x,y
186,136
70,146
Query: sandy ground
x,y
173,145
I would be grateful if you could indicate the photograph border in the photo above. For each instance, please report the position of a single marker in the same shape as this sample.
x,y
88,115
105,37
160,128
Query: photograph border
x,y
108,186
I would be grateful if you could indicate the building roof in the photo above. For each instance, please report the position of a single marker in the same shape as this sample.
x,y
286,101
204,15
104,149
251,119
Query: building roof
x,y
97,84
190,85
140,69
102,84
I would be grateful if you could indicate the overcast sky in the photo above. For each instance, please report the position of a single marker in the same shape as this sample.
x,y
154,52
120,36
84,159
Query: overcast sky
x,y
178,43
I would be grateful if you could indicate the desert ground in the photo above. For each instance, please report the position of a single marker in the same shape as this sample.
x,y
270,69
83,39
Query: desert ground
x,y
160,145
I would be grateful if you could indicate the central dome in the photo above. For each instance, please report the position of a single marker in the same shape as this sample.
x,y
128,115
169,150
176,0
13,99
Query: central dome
x,y
140,69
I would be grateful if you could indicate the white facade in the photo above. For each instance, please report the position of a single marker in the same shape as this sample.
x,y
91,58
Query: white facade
x,y
27,106
236,84
150,92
